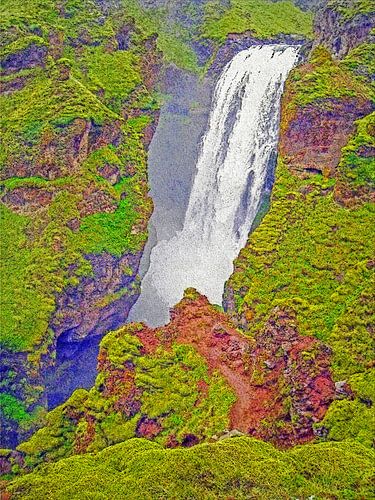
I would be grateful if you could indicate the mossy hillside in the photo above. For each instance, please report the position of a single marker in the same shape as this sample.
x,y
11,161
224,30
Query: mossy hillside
x,y
57,119
173,40
264,19
238,467
357,161
45,109
312,255
321,80
173,388
360,61
41,261
351,8
352,418
329,258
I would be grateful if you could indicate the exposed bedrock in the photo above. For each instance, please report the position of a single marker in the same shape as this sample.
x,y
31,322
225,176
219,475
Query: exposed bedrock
x,y
99,303
69,181
193,380
34,54
340,34
315,135
281,379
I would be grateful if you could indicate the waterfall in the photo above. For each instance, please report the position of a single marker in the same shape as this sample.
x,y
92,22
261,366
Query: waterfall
x,y
240,141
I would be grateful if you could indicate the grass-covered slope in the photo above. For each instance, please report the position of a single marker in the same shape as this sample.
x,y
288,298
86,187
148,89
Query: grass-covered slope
x,y
313,253
78,106
59,102
262,18
166,394
194,380
231,468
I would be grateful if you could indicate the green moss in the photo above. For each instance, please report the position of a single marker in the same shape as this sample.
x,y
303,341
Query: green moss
x,y
263,18
116,73
353,418
352,8
45,107
361,61
323,78
29,279
140,469
168,390
172,386
356,165
308,254
121,346
13,409
173,40
22,44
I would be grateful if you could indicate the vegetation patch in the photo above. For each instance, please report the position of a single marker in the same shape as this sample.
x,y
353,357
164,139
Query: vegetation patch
x,y
263,18
141,469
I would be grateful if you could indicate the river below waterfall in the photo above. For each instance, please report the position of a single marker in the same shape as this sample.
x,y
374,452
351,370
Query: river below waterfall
x,y
234,158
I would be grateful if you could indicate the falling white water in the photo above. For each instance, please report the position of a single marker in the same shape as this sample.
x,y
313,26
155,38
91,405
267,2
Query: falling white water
x,y
232,166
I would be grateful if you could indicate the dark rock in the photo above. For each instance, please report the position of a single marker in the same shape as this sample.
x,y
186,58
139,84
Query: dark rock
x,y
148,427
237,42
189,440
340,35
111,173
314,137
27,198
30,57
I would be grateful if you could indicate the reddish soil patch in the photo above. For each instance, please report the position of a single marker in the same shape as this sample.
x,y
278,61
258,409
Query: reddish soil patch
x,y
148,427
281,379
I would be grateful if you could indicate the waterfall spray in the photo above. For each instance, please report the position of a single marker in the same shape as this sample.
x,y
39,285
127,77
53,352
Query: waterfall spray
x,y
236,150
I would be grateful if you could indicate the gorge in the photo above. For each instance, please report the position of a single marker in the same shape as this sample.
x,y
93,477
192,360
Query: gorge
x,y
187,255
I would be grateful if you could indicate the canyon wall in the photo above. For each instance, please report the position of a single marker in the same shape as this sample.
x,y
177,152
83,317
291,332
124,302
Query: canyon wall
x,y
79,111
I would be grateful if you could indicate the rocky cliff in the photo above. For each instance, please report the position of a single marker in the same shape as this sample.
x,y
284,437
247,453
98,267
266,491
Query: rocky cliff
x,y
79,111
78,84
313,251
196,379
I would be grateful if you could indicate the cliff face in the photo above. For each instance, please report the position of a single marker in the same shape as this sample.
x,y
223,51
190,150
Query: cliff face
x,y
79,113
290,360
342,26
312,252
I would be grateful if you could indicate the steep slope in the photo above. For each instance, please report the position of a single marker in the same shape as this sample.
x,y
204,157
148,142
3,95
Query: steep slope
x,y
77,113
289,361
79,109
313,252
196,379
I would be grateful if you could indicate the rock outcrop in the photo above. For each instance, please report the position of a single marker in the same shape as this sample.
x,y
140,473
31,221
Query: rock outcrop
x,y
74,198
341,28
196,379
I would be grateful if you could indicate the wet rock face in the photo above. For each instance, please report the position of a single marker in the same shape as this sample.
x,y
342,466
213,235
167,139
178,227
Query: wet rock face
x,y
99,303
339,35
313,139
32,56
82,310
